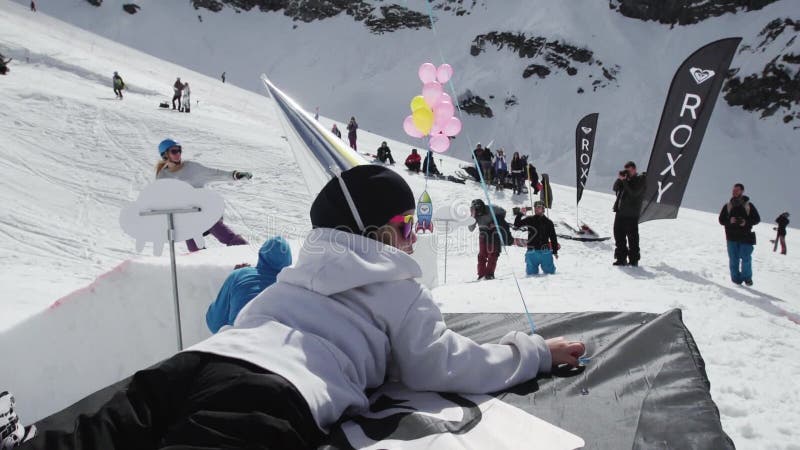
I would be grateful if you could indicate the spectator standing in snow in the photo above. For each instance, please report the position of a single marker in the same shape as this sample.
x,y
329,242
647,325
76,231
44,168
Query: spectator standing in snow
x,y
316,113
171,166
500,169
629,188
4,64
783,222
413,161
177,88
187,102
246,283
33,5
352,128
542,240
275,379
385,153
517,172
486,165
429,165
223,77
489,244
738,217
118,84
336,132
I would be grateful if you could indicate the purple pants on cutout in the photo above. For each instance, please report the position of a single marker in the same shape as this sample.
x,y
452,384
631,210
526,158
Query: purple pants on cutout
x,y
223,234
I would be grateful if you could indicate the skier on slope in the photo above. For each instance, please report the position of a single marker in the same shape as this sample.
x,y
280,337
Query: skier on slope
x,y
542,240
187,101
352,129
118,84
177,88
489,243
243,284
301,356
171,166
783,222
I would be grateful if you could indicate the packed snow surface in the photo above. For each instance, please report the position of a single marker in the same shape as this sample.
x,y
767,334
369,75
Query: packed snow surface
x,y
73,156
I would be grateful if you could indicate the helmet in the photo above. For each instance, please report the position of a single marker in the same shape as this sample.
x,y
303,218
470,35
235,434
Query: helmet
x,y
165,145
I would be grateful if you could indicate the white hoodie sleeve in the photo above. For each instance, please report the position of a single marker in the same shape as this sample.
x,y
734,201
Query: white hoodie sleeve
x,y
428,356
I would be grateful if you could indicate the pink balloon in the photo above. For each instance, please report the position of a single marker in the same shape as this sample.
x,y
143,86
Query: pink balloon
x,y
439,143
445,97
443,73
443,111
427,73
452,127
410,129
431,92
438,126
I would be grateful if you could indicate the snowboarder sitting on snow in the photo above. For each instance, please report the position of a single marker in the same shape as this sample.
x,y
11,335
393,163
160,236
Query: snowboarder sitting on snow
x,y
542,240
783,222
187,102
118,84
177,88
429,166
489,243
245,283
738,217
4,69
413,161
385,154
300,356
336,132
172,166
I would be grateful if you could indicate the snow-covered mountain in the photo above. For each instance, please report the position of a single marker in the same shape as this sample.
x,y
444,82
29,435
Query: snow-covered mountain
x,y
71,156
527,70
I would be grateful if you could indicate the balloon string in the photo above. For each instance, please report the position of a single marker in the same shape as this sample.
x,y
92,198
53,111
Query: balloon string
x,y
480,173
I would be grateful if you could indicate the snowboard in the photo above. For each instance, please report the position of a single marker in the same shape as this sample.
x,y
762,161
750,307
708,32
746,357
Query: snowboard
x,y
584,234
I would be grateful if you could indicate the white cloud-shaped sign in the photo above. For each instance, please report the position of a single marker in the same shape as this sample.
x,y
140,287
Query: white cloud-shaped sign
x,y
164,195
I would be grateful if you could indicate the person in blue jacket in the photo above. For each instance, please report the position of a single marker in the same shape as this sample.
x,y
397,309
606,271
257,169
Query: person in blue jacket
x,y
244,284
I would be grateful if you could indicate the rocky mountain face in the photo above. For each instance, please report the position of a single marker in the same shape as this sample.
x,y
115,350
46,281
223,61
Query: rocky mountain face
x,y
683,12
777,86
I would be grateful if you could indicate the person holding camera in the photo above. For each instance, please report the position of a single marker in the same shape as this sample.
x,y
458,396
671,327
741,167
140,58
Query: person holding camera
x,y
542,241
630,188
738,217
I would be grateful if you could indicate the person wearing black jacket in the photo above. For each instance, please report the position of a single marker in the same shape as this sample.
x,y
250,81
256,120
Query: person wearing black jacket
x,y
517,172
385,153
738,217
489,240
429,165
542,240
783,222
630,188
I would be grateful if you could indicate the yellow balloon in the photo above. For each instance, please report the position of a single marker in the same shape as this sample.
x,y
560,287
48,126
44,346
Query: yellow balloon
x,y
423,119
418,102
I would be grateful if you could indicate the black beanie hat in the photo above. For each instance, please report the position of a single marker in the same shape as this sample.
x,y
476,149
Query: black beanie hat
x,y
378,193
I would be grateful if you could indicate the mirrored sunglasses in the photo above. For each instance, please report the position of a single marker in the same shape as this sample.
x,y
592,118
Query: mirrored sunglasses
x,y
175,150
408,223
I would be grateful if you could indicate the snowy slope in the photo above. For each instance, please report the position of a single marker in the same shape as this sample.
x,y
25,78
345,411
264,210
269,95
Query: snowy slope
x,y
72,158
340,66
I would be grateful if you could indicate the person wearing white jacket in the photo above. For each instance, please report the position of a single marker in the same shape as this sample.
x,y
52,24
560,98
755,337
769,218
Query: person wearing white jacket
x,y
348,316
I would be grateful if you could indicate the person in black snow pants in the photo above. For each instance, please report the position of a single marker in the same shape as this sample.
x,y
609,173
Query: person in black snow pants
x,y
118,84
385,153
783,222
630,189
177,88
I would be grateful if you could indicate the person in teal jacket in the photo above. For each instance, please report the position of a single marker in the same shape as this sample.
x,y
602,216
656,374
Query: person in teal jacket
x,y
244,284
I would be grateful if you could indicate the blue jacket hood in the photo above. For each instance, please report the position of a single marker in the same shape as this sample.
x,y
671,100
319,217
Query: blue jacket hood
x,y
274,255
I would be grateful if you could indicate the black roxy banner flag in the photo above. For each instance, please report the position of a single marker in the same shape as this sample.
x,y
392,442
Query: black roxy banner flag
x,y
546,194
688,108
584,150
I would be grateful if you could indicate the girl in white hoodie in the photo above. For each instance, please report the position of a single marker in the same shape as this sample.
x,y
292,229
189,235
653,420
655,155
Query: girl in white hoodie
x,y
300,355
